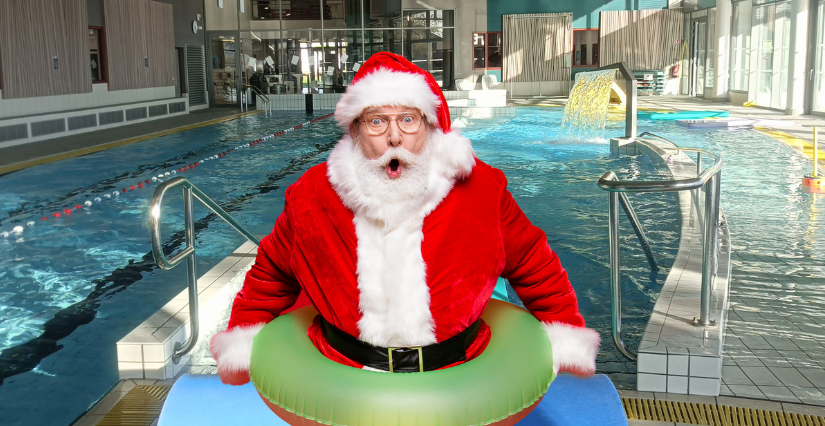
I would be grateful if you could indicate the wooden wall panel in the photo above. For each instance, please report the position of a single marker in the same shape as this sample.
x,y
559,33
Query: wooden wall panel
x,y
162,56
139,32
32,33
642,39
537,47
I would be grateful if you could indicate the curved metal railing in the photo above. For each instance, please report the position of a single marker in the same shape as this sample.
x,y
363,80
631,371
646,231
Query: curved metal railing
x,y
709,179
188,252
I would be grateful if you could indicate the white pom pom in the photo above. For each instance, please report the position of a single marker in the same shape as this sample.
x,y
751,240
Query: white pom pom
x,y
4,234
160,176
30,223
107,196
174,172
116,194
97,199
17,229
166,174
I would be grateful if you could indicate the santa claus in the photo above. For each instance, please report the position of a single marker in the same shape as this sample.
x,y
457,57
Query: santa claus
x,y
398,241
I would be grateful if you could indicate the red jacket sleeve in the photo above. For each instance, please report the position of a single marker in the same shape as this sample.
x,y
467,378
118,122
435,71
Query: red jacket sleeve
x,y
532,268
270,286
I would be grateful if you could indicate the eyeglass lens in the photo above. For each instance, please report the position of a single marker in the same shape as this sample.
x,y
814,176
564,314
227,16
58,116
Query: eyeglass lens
x,y
377,124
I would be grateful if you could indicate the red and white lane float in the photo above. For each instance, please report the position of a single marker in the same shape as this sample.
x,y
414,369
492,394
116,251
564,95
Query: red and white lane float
x,y
67,211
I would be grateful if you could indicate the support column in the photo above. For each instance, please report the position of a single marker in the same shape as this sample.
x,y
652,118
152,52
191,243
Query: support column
x,y
797,71
721,64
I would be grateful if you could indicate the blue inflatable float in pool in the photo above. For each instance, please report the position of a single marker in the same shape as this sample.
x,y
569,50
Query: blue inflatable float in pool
x,y
680,115
203,400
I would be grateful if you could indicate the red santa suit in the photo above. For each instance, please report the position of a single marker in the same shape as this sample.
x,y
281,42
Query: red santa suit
x,y
408,273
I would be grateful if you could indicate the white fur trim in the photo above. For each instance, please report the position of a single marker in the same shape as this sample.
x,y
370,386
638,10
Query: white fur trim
x,y
383,87
394,297
233,348
574,348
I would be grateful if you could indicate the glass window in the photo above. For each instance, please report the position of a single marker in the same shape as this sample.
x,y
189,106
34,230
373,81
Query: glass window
x,y
740,45
342,14
97,55
586,48
479,51
382,41
494,50
428,18
382,14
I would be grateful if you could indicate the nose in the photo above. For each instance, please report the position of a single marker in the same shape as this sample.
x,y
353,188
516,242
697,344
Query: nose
x,y
394,135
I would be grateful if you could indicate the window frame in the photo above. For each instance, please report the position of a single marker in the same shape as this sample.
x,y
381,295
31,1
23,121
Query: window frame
x,y
101,39
486,38
573,49
487,50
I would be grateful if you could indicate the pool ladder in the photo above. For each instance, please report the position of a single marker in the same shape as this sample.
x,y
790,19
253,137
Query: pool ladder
x,y
258,94
190,193
709,180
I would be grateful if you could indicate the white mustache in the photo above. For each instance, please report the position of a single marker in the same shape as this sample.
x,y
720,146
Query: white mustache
x,y
402,155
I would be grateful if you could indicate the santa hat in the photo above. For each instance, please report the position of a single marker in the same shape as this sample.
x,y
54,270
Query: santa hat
x,y
389,79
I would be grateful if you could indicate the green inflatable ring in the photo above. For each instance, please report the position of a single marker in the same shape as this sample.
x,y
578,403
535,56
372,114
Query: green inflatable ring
x,y
498,387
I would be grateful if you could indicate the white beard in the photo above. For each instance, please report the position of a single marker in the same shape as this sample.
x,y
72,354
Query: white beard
x,y
401,194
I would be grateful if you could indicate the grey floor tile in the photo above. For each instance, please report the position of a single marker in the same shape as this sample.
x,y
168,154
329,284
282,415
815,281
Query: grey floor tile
x,y
814,375
809,395
756,342
733,375
790,377
779,393
725,391
808,410
760,376
746,391
750,403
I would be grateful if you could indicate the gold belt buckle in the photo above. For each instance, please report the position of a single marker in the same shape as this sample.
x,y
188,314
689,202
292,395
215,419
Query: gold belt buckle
x,y
420,356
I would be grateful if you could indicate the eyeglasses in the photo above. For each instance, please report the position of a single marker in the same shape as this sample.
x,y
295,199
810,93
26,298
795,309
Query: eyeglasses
x,y
377,124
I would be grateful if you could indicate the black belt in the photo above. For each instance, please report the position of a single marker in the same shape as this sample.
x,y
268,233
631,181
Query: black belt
x,y
404,359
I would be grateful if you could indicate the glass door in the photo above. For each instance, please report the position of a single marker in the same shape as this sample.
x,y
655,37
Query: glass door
x,y
783,31
819,64
222,63
764,18
698,58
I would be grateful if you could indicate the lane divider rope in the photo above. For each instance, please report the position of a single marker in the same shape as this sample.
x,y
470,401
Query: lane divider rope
x,y
67,211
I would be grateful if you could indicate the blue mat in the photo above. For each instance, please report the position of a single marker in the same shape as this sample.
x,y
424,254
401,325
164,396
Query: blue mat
x,y
203,400
680,115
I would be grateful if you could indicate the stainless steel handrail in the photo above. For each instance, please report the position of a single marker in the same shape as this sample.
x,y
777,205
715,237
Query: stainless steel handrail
x,y
188,252
637,228
710,177
259,94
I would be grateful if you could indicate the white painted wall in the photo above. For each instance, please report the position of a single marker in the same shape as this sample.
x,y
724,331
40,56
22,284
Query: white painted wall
x,y
100,97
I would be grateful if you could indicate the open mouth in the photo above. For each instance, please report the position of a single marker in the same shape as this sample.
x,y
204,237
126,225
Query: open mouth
x,y
394,169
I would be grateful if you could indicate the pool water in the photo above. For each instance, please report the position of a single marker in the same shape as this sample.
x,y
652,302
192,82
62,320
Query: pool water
x,y
71,287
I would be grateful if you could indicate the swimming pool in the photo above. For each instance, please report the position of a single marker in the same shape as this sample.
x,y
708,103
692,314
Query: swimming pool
x,y
70,287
